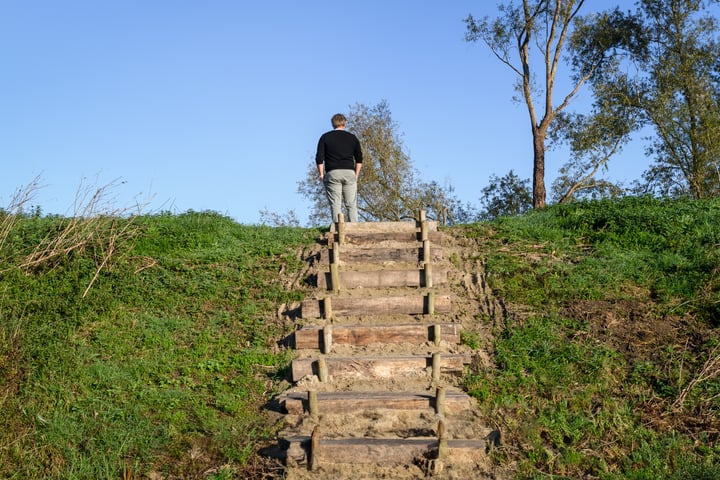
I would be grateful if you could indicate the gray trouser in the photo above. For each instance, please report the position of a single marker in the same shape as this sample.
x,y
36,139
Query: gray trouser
x,y
341,187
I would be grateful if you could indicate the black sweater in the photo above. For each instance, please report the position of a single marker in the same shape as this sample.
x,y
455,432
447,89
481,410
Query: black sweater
x,y
338,149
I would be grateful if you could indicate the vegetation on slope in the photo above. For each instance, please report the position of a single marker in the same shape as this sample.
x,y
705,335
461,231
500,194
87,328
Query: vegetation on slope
x,y
147,346
607,363
161,367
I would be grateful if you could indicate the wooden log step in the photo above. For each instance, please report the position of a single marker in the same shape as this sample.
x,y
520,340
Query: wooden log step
x,y
363,255
387,451
397,305
368,239
297,403
362,335
377,367
381,278
384,227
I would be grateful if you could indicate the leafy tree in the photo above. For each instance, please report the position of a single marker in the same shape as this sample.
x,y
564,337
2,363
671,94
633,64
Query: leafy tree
x,y
511,37
593,140
389,188
681,98
505,196
669,82
544,25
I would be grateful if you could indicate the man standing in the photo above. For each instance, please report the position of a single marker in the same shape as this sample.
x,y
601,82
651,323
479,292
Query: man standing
x,y
339,161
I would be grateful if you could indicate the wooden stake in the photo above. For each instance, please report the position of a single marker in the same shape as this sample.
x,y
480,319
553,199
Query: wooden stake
x,y
313,406
334,277
327,308
335,253
427,268
341,228
426,251
327,338
442,440
430,301
436,359
423,230
440,401
322,369
314,462
437,334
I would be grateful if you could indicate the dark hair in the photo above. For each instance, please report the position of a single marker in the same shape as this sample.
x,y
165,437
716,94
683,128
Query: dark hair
x,y
338,120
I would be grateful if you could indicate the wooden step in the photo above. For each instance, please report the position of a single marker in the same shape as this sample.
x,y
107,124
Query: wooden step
x,y
297,403
352,255
382,279
386,451
378,366
311,337
410,238
384,227
397,305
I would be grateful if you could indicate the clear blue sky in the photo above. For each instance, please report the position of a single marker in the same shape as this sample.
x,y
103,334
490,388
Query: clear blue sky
x,y
218,104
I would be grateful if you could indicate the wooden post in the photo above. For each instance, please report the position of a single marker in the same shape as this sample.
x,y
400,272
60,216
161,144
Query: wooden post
x,y
423,230
327,308
442,441
440,401
335,277
327,338
426,251
436,334
423,225
336,252
341,228
314,448
436,359
430,303
427,270
313,406
322,369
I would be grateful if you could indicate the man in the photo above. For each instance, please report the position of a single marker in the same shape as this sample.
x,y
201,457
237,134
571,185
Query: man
x,y
339,161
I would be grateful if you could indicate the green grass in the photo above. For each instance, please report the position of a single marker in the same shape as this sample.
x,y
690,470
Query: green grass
x,y
162,367
571,402
149,347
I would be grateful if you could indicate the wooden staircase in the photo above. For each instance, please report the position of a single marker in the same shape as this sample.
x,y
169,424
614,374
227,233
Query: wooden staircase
x,y
379,360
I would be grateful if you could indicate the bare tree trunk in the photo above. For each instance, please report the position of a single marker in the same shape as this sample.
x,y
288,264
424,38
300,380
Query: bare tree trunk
x,y
539,192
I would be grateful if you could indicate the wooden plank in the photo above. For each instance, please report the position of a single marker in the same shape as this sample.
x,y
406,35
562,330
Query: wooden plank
x,y
361,335
390,451
398,305
351,255
377,367
380,278
297,403
384,227
368,239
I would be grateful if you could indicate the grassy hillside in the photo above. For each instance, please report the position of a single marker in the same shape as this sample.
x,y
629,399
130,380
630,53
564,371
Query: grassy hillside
x,y
161,368
607,361
146,347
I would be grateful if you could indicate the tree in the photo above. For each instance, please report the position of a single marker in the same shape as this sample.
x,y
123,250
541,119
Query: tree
x,y
681,98
514,32
389,188
593,140
668,82
545,25
505,196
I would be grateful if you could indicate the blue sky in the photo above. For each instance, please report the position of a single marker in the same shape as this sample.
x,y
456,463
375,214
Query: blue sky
x,y
217,105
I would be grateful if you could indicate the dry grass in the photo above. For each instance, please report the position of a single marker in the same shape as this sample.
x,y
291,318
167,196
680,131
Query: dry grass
x,y
709,371
95,225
